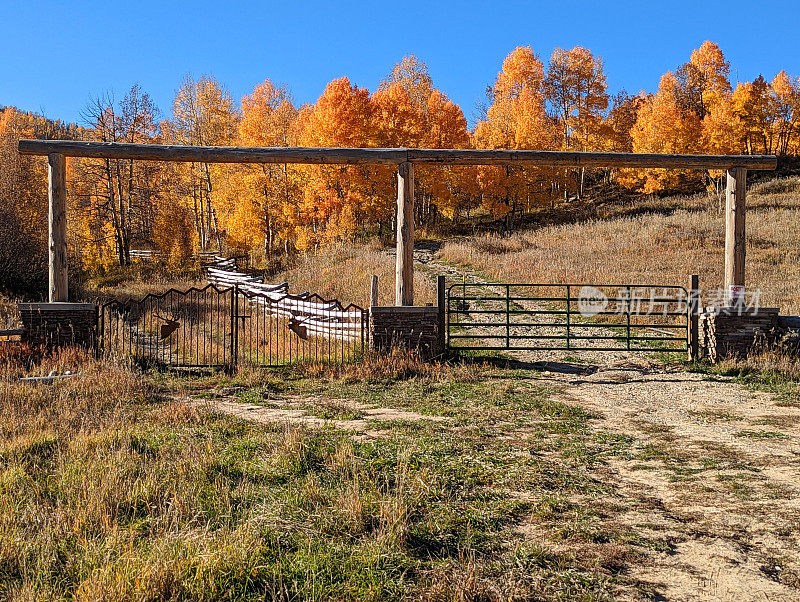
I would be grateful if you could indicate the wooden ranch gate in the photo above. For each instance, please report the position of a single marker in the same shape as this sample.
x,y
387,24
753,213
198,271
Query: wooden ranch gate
x,y
225,327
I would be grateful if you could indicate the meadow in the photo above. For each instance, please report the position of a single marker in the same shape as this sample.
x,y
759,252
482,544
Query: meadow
x,y
116,486
395,479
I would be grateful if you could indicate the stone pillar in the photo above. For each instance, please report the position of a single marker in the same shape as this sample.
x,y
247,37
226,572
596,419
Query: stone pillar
x,y
406,327
59,324
731,332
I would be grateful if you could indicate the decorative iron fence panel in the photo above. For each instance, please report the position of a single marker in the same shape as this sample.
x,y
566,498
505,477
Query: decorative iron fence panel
x,y
192,328
277,329
225,327
568,317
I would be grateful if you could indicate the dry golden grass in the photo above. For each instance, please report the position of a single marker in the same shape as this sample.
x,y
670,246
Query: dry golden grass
x,y
674,238
771,367
343,272
137,280
111,491
9,316
108,493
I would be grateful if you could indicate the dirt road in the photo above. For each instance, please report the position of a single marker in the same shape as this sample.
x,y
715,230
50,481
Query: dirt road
x,y
717,473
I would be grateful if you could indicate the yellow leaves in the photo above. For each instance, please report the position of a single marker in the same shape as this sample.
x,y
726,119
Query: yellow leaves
x,y
616,129
517,117
710,73
342,116
786,89
400,121
663,127
755,108
721,134
97,253
204,113
406,111
267,117
576,87
787,104
445,125
695,111
174,234
412,75
245,225
522,70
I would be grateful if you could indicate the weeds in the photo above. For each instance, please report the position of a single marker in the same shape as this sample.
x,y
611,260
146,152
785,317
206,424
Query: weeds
x,y
110,492
398,365
760,434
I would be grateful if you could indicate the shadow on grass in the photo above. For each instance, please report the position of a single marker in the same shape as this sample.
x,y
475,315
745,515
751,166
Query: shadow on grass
x,y
508,363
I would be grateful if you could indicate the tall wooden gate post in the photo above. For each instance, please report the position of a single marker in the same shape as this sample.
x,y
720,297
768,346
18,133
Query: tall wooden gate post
x,y
404,271
57,223
734,230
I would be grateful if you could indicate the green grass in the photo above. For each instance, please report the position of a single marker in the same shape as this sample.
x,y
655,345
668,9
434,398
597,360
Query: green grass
x,y
333,411
111,490
760,435
714,416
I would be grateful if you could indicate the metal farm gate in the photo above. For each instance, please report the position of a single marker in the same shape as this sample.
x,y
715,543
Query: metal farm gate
x,y
224,327
570,317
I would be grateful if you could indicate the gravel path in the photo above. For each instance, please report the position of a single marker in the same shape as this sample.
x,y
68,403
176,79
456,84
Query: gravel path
x,y
717,476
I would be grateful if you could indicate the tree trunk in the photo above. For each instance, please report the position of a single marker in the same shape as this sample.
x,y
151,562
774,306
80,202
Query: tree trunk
x,y
112,203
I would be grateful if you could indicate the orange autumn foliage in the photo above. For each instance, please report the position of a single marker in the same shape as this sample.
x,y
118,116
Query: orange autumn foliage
x,y
559,103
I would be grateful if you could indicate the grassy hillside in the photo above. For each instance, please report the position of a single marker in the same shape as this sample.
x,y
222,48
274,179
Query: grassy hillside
x,y
344,273
653,241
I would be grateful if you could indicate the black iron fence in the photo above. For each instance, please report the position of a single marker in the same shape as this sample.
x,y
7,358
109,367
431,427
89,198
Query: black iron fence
x,y
578,317
225,327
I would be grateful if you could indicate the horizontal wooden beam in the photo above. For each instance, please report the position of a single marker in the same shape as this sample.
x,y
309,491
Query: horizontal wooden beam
x,y
389,156
214,154
589,159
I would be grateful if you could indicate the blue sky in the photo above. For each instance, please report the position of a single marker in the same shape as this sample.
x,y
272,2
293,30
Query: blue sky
x,y
55,55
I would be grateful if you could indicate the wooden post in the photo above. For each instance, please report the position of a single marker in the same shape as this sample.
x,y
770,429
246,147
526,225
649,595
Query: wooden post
x,y
57,218
734,229
404,271
373,291
693,309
